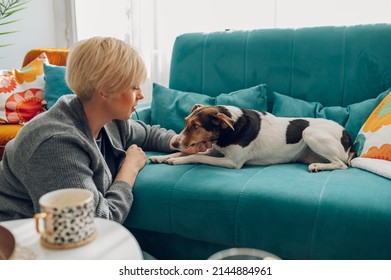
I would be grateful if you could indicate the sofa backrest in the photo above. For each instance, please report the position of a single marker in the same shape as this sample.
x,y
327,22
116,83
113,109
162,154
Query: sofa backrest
x,y
332,65
56,56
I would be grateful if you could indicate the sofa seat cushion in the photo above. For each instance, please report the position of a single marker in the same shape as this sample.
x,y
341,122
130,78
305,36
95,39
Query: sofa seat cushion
x,y
297,215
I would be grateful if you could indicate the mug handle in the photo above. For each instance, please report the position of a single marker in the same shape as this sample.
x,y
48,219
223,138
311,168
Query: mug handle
x,y
37,217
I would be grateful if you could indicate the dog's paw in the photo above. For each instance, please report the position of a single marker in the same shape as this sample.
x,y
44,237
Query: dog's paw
x,y
174,161
165,159
314,167
158,159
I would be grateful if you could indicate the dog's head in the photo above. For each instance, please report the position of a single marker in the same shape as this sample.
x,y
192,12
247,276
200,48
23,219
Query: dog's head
x,y
204,123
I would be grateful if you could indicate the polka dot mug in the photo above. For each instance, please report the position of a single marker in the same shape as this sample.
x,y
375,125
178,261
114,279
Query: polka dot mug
x,y
66,219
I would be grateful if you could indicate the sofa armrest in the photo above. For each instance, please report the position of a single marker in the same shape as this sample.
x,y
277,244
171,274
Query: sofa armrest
x,y
143,112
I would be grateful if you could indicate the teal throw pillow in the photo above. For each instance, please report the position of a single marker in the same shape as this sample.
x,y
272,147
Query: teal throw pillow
x,y
351,117
170,107
55,84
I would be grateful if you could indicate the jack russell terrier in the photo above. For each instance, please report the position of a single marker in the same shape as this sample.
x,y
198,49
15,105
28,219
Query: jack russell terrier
x,y
248,137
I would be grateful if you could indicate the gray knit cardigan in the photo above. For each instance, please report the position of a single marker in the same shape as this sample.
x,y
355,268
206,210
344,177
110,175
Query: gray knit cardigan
x,y
56,150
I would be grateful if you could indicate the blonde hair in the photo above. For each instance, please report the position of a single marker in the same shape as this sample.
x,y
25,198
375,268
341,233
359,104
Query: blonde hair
x,y
103,64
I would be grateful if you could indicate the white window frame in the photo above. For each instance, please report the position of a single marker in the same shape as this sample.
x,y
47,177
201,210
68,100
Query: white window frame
x,y
147,22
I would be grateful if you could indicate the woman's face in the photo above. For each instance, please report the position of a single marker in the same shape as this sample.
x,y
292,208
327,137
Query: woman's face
x,y
122,105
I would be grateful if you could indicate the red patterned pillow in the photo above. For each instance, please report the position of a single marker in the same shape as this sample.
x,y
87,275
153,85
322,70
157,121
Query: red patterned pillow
x,y
22,92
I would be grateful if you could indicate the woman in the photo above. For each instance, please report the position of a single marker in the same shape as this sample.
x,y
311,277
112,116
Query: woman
x,y
86,140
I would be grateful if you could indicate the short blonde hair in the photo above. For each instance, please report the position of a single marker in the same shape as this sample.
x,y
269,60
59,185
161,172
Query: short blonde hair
x,y
103,64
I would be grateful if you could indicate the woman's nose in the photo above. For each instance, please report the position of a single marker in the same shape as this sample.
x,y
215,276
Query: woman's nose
x,y
140,95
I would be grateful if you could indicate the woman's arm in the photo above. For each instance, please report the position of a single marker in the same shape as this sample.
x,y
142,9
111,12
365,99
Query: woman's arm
x,y
68,162
131,166
149,138
155,138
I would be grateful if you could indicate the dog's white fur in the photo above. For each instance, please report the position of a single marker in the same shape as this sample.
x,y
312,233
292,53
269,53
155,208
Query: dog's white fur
x,y
319,144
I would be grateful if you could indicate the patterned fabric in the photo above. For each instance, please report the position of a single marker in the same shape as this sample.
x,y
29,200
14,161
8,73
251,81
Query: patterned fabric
x,y
373,143
377,166
374,138
22,92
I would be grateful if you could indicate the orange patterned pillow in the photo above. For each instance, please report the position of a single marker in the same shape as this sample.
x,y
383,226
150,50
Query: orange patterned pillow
x,y
22,92
374,138
373,142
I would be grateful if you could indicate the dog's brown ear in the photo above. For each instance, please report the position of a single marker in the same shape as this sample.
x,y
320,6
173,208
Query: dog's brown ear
x,y
196,106
225,121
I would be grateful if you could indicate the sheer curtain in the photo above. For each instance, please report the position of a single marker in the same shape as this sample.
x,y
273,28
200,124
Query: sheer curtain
x,y
152,25
156,24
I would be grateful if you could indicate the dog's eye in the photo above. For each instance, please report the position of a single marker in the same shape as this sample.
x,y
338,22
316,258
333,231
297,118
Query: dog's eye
x,y
195,126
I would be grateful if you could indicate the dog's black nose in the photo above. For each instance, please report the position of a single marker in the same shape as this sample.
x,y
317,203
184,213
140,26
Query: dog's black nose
x,y
175,144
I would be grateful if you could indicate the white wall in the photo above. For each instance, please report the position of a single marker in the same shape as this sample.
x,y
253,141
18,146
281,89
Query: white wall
x,y
36,29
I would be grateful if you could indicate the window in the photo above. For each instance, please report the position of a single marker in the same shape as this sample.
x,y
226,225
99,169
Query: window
x,y
152,25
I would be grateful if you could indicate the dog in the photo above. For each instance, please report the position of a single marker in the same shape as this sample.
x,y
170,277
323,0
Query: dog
x,y
248,137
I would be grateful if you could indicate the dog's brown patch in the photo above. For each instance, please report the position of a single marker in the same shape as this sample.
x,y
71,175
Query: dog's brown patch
x,y
195,130
214,123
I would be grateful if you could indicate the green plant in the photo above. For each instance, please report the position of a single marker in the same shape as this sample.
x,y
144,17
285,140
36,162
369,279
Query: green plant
x,y
7,9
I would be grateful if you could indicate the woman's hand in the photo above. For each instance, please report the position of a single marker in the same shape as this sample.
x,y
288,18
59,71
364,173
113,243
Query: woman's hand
x,y
135,161
135,157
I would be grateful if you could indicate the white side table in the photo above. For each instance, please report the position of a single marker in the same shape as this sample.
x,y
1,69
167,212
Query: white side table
x,y
113,242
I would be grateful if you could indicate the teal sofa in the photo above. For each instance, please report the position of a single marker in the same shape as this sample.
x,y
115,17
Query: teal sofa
x,y
192,211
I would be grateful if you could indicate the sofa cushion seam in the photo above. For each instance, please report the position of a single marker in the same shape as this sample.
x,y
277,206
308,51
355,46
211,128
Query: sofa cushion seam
x,y
245,60
238,202
292,54
316,217
203,64
171,198
344,67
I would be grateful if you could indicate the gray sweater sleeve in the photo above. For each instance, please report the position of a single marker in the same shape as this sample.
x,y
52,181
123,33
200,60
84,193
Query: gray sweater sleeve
x,y
149,138
62,162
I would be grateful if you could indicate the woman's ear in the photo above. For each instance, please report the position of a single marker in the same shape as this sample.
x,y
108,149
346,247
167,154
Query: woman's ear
x,y
100,94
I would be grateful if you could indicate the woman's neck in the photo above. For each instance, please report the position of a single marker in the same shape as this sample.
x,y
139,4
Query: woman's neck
x,y
95,116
